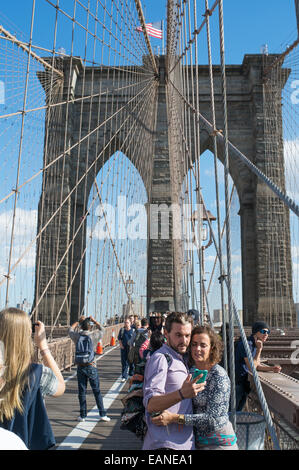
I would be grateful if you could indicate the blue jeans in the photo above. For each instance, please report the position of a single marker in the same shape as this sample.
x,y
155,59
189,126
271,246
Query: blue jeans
x,y
125,366
85,374
242,393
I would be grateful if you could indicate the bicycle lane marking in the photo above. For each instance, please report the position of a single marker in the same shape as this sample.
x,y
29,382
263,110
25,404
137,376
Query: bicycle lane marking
x,y
81,431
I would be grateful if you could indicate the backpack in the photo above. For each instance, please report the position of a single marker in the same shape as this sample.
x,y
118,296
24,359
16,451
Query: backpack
x,y
133,355
84,353
121,333
133,414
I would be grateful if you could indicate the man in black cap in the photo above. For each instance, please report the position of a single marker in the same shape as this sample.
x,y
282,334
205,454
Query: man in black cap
x,y
259,335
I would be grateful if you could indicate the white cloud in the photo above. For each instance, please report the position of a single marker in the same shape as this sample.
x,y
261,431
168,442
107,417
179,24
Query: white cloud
x,y
25,223
24,233
295,251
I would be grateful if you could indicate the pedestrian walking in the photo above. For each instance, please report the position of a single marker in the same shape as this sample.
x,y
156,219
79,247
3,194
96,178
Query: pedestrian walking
x,y
85,340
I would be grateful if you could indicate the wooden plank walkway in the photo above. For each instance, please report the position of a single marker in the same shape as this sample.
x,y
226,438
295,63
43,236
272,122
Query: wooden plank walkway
x,y
92,434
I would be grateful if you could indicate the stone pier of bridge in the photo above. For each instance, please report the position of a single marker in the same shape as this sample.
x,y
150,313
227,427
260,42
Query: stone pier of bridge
x,y
264,220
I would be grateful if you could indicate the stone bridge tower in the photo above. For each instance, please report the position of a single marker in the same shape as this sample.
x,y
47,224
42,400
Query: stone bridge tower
x,y
246,115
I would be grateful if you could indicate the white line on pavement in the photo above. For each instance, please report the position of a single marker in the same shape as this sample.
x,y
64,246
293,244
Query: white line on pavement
x,y
78,435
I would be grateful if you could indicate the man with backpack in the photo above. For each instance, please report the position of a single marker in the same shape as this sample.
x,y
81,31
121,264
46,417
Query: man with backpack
x,y
140,335
84,338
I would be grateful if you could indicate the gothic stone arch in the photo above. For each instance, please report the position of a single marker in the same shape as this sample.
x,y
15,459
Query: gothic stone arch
x,y
246,115
91,139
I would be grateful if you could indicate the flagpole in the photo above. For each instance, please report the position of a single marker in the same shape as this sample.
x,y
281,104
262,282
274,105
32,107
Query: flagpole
x,y
162,37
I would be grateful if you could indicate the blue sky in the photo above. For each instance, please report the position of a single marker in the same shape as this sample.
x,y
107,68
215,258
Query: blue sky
x,y
248,24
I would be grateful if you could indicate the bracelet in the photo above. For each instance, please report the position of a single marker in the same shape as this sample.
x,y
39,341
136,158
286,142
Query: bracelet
x,y
181,420
42,351
181,395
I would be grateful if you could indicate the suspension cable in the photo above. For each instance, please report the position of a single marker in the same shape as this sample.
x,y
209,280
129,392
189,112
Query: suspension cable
x,y
143,25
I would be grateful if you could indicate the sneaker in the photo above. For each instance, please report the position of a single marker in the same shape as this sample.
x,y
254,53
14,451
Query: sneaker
x,y
80,418
123,379
105,418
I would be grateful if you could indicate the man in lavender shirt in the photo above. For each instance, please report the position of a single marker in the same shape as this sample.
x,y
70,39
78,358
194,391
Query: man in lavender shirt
x,y
168,385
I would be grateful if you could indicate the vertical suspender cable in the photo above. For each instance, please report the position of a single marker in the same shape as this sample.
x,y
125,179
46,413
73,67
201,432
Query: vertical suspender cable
x,y
142,21
228,280
16,190
216,184
49,112
256,379
197,176
228,248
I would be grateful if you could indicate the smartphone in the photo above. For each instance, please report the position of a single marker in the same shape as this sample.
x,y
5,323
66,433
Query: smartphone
x,y
156,413
33,327
198,372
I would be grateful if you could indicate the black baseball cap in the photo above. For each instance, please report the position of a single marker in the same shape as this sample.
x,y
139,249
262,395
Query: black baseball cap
x,y
259,325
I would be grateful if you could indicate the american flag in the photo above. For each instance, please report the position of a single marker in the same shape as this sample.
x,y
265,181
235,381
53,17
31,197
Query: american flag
x,y
153,29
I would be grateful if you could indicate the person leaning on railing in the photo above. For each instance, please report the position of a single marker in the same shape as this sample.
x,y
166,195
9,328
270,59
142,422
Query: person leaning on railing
x,y
22,408
259,335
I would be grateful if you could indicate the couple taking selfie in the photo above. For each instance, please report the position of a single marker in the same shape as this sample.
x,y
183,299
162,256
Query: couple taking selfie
x,y
186,391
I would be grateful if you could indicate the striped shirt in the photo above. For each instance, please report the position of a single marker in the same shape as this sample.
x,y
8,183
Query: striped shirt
x,y
48,382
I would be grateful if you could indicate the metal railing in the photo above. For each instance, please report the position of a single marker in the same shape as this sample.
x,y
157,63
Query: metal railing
x,y
63,348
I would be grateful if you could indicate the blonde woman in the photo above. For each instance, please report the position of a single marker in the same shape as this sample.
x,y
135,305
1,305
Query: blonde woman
x,y
22,408
8,439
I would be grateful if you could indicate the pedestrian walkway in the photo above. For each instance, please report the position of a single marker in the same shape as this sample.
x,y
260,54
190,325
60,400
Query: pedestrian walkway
x,y
92,434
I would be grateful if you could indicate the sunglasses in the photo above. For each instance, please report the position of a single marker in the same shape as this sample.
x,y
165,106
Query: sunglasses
x,y
264,332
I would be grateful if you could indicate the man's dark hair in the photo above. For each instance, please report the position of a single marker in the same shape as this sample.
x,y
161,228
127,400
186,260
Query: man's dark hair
x,y
144,321
86,324
157,340
177,317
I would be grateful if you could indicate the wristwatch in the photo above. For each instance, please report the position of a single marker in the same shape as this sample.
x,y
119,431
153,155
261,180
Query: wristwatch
x,y
181,419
